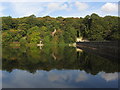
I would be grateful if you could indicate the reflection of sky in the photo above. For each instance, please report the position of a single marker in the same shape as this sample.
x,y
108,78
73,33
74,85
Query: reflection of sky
x,y
59,79
110,76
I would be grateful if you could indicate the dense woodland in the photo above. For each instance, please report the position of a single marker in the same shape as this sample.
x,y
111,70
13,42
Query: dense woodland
x,y
59,30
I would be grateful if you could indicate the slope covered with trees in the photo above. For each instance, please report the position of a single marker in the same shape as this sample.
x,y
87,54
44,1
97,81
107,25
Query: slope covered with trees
x,y
32,29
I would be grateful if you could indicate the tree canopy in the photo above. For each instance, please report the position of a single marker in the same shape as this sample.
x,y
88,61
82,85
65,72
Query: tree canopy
x,y
32,29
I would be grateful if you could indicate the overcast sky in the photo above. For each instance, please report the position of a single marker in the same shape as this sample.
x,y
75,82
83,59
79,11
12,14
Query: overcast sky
x,y
55,8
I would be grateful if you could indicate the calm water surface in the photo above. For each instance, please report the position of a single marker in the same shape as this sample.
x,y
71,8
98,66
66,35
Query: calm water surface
x,y
57,67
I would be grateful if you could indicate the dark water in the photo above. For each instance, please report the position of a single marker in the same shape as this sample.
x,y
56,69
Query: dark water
x,y
57,67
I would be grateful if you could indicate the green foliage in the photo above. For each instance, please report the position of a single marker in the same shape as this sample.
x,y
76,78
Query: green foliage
x,y
32,29
9,23
23,26
33,35
23,41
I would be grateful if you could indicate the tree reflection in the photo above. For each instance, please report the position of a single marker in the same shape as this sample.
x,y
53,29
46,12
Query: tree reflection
x,y
55,57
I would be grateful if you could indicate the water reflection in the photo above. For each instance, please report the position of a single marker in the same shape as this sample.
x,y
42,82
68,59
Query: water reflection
x,y
58,79
57,66
110,76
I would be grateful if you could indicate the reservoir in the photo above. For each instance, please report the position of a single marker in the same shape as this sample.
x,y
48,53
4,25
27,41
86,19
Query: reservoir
x,y
57,67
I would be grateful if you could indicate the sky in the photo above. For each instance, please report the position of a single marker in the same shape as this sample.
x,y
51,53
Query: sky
x,y
55,8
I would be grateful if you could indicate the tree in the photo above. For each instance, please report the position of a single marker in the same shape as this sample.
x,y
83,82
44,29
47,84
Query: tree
x,y
9,23
32,29
33,35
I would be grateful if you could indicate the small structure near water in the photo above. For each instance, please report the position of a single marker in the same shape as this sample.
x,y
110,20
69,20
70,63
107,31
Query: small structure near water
x,y
40,44
81,39
72,45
